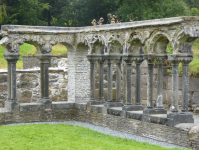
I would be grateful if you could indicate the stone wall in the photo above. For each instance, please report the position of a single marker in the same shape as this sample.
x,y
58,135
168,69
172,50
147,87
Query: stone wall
x,y
28,85
185,135
33,61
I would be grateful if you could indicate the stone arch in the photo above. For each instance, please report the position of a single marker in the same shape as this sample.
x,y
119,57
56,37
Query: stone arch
x,y
98,48
115,47
182,42
136,47
158,41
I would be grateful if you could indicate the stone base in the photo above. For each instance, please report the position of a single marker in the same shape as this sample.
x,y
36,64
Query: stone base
x,y
148,111
46,101
113,104
96,102
161,111
176,118
12,105
132,107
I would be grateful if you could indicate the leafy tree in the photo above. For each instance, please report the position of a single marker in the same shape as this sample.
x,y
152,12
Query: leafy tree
x,y
194,12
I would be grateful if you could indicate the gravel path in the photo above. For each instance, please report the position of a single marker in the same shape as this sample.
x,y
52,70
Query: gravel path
x,y
110,132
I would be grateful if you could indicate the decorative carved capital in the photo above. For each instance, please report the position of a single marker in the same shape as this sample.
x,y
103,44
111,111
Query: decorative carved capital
x,y
99,58
9,45
133,58
45,58
160,58
177,58
150,58
12,58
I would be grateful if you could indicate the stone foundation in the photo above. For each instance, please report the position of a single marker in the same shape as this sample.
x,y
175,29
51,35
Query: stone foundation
x,y
185,135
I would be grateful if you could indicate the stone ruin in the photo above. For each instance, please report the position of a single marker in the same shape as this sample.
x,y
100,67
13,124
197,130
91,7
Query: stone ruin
x,y
114,43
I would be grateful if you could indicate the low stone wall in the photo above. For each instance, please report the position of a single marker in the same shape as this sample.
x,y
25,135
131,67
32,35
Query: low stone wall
x,y
185,135
28,85
33,61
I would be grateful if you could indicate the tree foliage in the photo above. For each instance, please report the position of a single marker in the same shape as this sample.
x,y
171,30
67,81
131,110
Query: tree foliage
x,y
82,12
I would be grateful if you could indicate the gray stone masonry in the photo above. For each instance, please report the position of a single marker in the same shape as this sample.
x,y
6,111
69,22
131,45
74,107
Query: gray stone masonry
x,y
44,80
12,104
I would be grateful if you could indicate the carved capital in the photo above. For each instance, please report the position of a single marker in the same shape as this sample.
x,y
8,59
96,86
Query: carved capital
x,y
177,58
160,58
150,58
45,58
12,58
99,58
9,45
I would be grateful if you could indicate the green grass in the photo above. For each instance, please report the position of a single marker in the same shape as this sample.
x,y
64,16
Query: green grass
x,y
64,137
27,49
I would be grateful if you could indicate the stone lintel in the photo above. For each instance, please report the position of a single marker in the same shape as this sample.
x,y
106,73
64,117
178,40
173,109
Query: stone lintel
x,y
176,118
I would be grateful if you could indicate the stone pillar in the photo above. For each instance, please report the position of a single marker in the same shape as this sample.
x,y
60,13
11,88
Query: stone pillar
x,y
128,106
101,60
176,117
92,79
118,102
109,102
44,80
185,83
159,103
12,104
149,110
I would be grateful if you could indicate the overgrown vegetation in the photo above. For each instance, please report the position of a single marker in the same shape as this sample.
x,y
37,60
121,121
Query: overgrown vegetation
x,y
64,136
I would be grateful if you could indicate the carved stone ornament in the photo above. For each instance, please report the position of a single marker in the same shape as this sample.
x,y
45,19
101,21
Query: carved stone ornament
x,y
13,58
44,58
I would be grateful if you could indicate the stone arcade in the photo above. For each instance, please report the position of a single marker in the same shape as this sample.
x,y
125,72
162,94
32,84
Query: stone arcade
x,y
112,43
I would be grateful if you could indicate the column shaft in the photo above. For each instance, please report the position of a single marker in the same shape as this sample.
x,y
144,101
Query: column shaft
x,y
175,82
185,86
150,86
128,83
101,81
159,102
118,80
92,80
11,104
138,85
44,80
110,81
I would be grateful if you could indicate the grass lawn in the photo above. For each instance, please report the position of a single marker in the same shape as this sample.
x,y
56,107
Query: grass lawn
x,y
64,137
27,49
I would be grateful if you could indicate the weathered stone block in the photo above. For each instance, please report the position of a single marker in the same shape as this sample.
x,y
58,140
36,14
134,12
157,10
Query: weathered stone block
x,y
28,107
195,99
63,105
28,77
27,85
3,78
24,96
64,94
3,87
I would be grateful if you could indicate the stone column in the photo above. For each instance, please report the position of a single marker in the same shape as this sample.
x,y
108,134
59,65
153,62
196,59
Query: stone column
x,y
44,80
175,83
159,103
128,106
12,104
92,79
101,60
118,102
149,110
109,102
138,105
175,117
185,83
